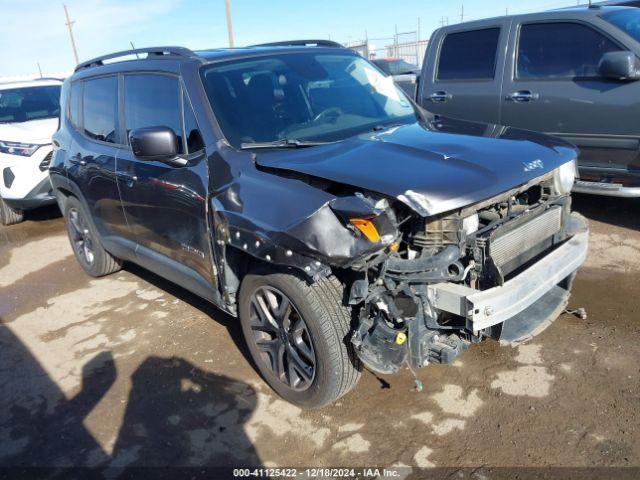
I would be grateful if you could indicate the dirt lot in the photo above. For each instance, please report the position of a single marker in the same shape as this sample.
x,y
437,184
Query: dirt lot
x,y
131,370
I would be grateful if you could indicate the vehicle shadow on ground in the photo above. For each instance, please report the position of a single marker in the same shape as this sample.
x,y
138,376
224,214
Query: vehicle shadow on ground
x,y
623,212
230,323
43,213
176,415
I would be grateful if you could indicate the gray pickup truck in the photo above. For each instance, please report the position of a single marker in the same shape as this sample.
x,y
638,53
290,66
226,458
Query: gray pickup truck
x,y
573,73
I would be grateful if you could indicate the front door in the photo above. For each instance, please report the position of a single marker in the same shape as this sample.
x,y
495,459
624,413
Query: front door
x,y
165,206
465,72
553,86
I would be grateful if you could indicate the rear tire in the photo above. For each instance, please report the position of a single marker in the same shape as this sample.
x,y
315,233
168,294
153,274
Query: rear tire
x,y
9,216
335,368
85,242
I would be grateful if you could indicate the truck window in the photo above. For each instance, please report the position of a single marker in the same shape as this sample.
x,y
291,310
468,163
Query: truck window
x,y
560,50
627,20
469,55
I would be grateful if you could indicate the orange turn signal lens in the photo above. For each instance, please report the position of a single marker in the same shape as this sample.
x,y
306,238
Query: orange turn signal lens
x,y
367,228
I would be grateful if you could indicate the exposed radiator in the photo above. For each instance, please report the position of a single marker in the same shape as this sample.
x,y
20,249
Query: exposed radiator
x,y
508,246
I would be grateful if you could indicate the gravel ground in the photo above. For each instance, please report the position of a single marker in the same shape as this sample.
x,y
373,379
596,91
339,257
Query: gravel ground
x,y
130,370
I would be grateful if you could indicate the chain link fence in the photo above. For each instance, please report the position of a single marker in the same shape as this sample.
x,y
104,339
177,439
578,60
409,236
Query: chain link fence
x,y
406,46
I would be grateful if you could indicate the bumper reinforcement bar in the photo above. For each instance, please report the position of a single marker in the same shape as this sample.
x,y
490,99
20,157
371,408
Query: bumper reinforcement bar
x,y
483,309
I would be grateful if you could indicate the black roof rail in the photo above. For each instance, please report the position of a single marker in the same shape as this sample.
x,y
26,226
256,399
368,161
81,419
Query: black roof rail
x,y
150,51
301,43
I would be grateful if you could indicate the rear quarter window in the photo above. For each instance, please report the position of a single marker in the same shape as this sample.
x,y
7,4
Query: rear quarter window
x,y
75,97
469,55
100,109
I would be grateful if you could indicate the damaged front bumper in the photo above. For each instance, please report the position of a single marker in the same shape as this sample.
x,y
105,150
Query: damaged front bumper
x,y
484,309
450,315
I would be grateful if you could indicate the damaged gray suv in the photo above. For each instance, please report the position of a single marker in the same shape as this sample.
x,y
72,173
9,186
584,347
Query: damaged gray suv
x,y
296,187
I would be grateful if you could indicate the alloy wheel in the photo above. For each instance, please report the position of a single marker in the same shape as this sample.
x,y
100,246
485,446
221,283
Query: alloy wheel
x,y
81,236
282,338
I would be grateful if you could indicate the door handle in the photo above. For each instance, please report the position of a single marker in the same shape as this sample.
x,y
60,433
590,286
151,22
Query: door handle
x,y
127,178
523,96
440,97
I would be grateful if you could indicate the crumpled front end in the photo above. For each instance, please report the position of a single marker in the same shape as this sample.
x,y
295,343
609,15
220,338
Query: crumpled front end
x,y
500,269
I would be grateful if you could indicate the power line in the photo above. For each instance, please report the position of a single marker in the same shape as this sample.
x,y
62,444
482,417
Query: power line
x,y
69,24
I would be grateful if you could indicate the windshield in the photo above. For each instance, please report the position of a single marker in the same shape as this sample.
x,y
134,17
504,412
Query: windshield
x,y
302,96
29,103
396,67
627,20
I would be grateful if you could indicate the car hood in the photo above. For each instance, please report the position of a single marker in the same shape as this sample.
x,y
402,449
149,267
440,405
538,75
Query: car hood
x,y
432,167
33,131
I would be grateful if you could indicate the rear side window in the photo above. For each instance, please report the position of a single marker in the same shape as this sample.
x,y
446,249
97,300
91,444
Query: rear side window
x,y
153,101
469,55
560,50
75,95
100,109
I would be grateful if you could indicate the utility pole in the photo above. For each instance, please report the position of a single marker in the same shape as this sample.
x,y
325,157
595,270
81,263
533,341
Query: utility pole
x,y
229,25
69,24
462,14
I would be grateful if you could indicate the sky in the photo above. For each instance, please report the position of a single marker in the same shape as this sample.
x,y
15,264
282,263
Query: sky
x,y
34,31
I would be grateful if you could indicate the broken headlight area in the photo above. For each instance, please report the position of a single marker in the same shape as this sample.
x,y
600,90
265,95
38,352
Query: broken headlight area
x,y
476,248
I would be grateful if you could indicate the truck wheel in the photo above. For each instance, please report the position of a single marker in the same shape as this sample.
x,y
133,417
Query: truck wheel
x,y
91,256
9,216
298,337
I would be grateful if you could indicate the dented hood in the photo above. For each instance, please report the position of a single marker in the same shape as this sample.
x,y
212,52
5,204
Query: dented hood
x,y
433,167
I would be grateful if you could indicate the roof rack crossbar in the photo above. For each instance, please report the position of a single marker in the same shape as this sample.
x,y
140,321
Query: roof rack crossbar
x,y
151,51
301,43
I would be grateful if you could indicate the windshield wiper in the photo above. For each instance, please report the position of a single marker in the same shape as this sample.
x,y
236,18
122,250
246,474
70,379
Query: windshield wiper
x,y
283,143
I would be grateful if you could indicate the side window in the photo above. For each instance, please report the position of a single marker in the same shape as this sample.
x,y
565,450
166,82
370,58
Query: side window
x,y
100,109
75,94
192,134
469,55
152,100
560,50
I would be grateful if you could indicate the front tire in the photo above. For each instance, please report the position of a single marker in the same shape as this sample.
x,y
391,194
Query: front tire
x,y
9,216
85,242
298,337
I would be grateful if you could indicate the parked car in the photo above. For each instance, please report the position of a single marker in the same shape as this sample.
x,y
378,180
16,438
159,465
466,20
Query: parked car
x,y
300,189
404,73
572,73
28,117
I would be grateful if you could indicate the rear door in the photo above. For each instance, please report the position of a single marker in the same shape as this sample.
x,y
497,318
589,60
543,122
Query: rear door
x,y
92,154
463,73
553,86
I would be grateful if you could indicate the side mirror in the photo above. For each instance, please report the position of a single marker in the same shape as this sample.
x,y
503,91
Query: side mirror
x,y
154,143
619,66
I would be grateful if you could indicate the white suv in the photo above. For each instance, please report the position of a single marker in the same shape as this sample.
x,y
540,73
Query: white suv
x,y
29,114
